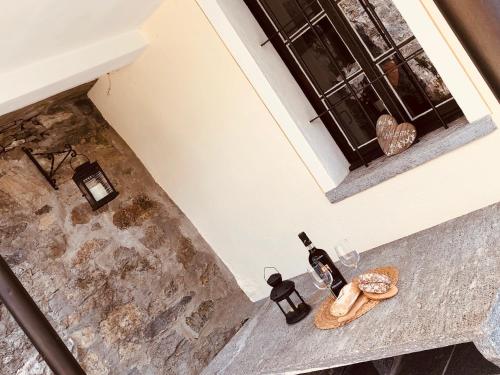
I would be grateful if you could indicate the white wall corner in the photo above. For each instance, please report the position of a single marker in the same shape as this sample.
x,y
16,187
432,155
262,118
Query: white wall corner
x,y
443,58
44,78
464,58
279,91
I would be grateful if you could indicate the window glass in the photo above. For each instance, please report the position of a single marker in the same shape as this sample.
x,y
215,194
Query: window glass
x,y
392,20
321,63
371,102
429,78
364,27
288,15
350,115
410,48
406,88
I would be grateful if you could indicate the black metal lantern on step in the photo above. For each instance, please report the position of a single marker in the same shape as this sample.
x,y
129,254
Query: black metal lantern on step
x,y
94,184
287,298
89,177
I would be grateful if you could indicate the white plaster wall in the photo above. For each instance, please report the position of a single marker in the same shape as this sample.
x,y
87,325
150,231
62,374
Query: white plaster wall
x,y
279,91
41,79
48,46
32,30
196,122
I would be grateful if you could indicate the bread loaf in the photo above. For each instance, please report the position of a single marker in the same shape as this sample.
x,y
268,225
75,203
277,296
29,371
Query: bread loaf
x,y
345,300
372,277
374,283
378,288
354,309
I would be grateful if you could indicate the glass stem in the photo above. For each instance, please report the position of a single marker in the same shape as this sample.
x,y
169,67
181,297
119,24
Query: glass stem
x,y
333,294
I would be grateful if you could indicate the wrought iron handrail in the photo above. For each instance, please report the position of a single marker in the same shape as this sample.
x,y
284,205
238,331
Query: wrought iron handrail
x,y
35,325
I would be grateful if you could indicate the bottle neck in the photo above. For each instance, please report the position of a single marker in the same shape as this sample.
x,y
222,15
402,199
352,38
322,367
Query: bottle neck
x,y
310,247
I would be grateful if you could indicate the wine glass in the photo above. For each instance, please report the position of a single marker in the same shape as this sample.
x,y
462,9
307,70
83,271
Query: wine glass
x,y
348,256
321,276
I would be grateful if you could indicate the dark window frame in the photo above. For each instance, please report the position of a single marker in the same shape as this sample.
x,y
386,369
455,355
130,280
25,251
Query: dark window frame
x,y
434,117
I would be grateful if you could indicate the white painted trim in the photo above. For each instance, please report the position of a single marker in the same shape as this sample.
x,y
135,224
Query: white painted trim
x,y
464,59
278,90
50,76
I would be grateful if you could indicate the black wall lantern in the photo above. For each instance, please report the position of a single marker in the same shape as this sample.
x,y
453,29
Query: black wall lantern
x,y
284,293
93,183
89,177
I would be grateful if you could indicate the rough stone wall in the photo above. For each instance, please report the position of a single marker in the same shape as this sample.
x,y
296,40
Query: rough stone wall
x,y
131,288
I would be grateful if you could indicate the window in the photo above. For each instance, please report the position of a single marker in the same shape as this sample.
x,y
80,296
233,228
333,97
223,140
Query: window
x,y
356,60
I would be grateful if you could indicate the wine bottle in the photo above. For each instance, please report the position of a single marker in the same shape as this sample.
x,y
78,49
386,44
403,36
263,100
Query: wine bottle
x,y
321,257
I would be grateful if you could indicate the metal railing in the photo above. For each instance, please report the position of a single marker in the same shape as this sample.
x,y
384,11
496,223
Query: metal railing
x,y
35,325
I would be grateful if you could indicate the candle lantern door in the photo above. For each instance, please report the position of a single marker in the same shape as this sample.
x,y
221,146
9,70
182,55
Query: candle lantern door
x,y
288,299
94,184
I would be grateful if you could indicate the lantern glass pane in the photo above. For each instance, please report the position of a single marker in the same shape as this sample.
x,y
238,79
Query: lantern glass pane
x,y
295,299
98,186
285,306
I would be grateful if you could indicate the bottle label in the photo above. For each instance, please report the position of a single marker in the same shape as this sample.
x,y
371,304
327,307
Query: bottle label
x,y
325,272
337,284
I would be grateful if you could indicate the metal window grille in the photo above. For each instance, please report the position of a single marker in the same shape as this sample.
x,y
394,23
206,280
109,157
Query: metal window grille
x,y
394,50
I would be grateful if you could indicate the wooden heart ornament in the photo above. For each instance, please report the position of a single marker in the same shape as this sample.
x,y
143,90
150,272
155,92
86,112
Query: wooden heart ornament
x,y
394,138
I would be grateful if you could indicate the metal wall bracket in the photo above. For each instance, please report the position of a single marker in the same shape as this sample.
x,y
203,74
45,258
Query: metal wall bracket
x,y
51,156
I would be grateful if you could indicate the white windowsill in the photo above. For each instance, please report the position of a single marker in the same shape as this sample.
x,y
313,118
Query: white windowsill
x,y
430,146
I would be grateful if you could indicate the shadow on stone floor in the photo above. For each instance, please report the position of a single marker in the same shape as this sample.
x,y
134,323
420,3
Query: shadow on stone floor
x,y
463,359
366,368
467,360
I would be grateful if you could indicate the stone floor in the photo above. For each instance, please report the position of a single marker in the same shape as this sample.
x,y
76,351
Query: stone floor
x,y
463,359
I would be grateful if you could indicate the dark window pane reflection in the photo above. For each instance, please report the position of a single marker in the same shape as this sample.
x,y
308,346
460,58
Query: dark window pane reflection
x,y
349,114
289,15
371,102
429,78
318,60
406,87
